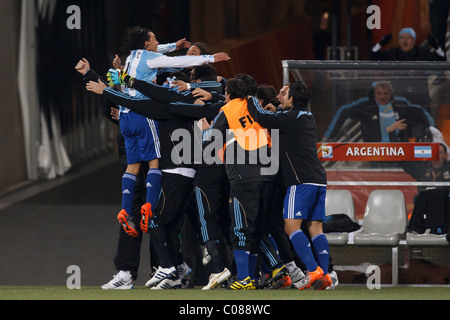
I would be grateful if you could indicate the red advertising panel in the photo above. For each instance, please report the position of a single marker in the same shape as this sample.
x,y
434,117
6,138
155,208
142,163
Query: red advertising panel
x,y
378,151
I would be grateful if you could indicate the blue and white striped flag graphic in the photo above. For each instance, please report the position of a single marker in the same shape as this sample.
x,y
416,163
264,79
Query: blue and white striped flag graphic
x,y
422,152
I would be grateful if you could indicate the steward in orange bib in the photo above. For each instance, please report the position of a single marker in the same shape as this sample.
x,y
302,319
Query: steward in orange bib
x,y
251,170
247,150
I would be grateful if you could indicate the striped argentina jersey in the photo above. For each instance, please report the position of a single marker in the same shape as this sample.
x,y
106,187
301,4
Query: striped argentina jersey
x,y
143,65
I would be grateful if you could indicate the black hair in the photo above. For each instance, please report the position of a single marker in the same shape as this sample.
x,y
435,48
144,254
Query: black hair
x,y
236,88
180,75
135,38
300,94
204,72
252,85
204,49
267,94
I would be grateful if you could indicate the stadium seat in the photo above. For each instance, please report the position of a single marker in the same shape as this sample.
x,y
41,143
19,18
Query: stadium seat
x,y
337,202
384,219
426,239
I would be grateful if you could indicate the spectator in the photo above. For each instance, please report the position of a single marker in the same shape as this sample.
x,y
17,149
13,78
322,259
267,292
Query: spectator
x,y
413,88
383,117
407,49
439,170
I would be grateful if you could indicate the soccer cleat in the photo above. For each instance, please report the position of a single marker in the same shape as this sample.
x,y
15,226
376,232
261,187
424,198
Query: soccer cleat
x,y
246,284
146,215
216,279
183,270
206,257
323,283
119,282
334,281
309,279
278,279
160,275
127,224
173,282
296,275
287,281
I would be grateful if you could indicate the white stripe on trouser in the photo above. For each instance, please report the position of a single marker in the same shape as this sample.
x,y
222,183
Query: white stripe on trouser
x,y
152,126
291,204
268,254
237,216
201,212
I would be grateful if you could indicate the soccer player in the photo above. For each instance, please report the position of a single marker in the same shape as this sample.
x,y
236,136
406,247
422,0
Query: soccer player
x,y
127,258
145,107
251,192
142,134
305,178
211,183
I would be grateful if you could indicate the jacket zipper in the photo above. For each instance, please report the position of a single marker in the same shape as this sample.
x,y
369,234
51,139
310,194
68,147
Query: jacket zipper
x,y
296,176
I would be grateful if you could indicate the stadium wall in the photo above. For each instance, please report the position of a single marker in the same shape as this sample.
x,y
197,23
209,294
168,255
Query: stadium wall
x,y
13,169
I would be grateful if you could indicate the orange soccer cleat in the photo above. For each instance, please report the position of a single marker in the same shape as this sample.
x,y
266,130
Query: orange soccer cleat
x,y
323,283
146,215
309,279
127,224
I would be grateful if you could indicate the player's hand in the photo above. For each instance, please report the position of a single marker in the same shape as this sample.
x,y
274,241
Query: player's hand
x,y
96,87
221,56
83,66
183,44
386,39
117,63
270,107
204,124
116,76
180,85
115,115
199,102
202,94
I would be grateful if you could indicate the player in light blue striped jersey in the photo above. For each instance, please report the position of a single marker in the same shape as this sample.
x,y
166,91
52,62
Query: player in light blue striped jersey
x,y
142,134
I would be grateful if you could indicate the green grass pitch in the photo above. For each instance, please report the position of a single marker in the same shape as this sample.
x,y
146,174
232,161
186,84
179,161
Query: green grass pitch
x,y
141,293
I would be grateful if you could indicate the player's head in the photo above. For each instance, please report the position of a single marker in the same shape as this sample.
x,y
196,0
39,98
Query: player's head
x,y
407,39
267,94
281,94
252,85
198,49
204,72
139,38
235,89
297,96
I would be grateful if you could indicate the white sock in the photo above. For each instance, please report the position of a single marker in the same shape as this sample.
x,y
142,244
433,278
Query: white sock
x,y
125,275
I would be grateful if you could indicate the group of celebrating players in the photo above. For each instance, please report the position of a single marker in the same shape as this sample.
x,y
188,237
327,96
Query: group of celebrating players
x,y
258,229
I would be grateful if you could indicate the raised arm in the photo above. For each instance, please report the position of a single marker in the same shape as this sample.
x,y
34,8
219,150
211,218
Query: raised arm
x,y
146,107
186,61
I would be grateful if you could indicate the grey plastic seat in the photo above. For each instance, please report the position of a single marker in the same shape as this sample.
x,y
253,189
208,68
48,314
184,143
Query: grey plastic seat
x,y
384,219
426,239
336,202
